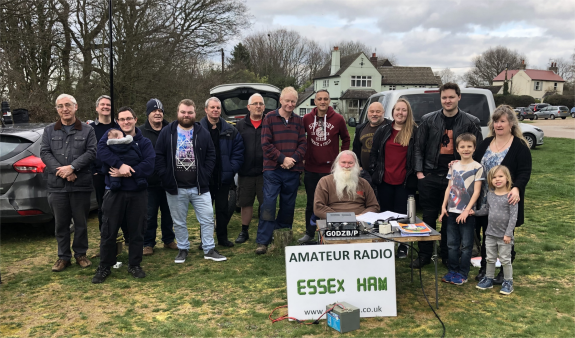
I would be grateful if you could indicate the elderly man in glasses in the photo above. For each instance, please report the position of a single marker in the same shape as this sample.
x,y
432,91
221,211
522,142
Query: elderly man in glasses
x,y
68,148
129,200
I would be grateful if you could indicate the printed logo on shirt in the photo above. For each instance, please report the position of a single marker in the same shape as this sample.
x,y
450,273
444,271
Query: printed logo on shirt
x,y
360,193
185,157
319,133
367,140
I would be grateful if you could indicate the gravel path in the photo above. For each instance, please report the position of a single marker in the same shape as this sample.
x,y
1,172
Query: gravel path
x,y
556,128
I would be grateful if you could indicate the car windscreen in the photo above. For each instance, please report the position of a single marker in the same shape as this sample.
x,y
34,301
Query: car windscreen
x,y
10,146
237,105
381,99
474,104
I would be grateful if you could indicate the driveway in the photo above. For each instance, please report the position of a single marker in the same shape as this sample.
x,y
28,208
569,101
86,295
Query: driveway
x,y
556,128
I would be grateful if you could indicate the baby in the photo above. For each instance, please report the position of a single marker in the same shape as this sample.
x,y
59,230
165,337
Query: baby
x,y
128,152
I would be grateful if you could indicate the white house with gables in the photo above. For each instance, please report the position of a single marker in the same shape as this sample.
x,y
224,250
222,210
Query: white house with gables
x,y
352,79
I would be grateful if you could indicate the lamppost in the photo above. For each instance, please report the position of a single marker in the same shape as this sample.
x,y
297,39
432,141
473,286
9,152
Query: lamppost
x,y
111,58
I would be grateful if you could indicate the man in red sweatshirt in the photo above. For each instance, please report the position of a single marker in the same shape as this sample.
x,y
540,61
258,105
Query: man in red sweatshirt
x,y
324,127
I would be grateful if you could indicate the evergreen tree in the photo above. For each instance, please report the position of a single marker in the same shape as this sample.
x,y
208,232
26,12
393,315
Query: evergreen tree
x,y
241,57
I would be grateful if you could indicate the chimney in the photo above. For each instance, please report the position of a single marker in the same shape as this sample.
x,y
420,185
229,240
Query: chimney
x,y
522,65
335,60
373,60
554,67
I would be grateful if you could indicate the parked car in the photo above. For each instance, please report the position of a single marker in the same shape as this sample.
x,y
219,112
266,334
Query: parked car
x,y
23,187
551,112
235,98
477,102
535,107
524,113
573,112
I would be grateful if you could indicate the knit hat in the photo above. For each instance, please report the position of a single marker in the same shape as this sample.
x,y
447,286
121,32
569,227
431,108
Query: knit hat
x,y
152,105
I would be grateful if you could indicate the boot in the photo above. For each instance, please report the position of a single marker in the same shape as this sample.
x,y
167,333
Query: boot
x,y
498,280
480,274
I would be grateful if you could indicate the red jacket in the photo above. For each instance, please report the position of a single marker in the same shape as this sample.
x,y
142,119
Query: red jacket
x,y
323,146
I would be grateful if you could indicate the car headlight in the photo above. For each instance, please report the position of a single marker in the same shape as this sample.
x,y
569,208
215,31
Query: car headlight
x,y
539,130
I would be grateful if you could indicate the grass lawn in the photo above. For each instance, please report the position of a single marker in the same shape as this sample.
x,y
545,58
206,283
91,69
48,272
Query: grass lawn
x,y
234,298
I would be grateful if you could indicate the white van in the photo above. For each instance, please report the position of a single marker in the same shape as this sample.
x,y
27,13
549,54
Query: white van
x,y
475,101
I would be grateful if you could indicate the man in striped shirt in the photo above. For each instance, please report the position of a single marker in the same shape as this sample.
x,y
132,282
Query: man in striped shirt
x,y
284,145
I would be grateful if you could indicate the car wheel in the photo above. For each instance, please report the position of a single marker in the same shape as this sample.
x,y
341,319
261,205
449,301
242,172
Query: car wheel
x,y
573,115
531,140
536,117
552,117
531,118
563,118
521,118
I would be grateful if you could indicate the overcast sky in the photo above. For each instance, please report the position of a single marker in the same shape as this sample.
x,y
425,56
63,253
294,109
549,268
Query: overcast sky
x,y
434,33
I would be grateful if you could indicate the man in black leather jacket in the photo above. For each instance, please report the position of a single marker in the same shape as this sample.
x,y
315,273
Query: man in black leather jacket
x,y
434,151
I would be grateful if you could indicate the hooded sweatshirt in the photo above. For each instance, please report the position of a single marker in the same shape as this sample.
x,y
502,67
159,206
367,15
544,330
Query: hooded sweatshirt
x,y
323,134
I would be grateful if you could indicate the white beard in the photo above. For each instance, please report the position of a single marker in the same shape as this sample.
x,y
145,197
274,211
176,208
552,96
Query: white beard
x,y
346,181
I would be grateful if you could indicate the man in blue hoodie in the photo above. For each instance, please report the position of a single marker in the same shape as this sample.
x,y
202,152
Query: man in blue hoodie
x,y
129,202
185,160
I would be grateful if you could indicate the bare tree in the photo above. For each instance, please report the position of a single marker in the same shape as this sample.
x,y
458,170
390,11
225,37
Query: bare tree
x,y
447,75
492,62
566,69
349,47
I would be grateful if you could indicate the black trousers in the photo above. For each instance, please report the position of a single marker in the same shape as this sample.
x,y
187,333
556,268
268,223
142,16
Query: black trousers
x,y
480,227
431,193
393,197
220,199
117,206
100,189
310,180
67,206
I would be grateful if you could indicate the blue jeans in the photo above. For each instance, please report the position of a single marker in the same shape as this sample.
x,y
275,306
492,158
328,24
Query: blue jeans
x,y
202,204
285,184
460,235
157,199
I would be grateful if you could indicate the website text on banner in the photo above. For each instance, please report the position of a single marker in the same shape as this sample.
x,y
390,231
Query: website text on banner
x,y
361,274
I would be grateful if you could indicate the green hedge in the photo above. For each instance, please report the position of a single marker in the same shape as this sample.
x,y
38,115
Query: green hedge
x,y
514,100
561,100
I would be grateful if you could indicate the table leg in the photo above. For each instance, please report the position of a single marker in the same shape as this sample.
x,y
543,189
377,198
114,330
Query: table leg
x,y
411,244
435,262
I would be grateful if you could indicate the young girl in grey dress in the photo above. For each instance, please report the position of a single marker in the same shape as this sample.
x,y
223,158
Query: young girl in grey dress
x,y
502,218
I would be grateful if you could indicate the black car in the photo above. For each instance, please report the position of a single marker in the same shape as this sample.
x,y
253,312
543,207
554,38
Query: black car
x,y
524,113
23,188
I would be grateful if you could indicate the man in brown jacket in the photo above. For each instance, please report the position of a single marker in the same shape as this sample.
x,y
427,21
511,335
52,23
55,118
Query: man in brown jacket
x,y
344,190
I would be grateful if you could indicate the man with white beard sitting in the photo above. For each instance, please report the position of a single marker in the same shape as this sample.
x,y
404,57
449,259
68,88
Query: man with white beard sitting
x,y
344,190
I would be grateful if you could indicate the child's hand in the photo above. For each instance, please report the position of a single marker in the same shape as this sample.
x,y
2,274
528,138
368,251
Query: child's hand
x,y
463,217
443,213
506,239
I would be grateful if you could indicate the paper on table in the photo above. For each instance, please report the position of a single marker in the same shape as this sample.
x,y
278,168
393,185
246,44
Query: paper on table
x,y
371,217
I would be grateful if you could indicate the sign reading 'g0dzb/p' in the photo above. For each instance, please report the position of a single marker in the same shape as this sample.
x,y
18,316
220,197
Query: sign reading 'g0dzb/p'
x,y
360,274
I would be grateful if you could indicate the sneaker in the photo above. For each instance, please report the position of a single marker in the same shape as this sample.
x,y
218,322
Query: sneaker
x,y
136,271
419,262
83,261
261,249
458,279
60,265
172,246
306,238
181,257
448,277
214,255
226,243
506,287
402,251
101,274
242,237
485,283
148,251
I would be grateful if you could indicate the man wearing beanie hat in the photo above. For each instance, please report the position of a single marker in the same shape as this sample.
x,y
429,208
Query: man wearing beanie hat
x,y
156,194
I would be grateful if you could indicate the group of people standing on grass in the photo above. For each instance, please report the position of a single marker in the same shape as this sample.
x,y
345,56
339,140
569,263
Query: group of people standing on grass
x,y
137,170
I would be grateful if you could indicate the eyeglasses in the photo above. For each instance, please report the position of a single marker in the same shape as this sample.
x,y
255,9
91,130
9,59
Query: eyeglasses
x,y
67,105
257,104
127,119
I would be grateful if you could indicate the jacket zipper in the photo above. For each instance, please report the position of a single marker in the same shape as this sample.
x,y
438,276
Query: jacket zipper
x,y
174,161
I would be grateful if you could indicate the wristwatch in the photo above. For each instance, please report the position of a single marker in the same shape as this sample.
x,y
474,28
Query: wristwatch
x,y
71,166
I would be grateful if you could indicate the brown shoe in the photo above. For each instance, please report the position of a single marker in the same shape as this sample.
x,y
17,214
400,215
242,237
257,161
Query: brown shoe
x,y
148,251
60,265
83,261
172,246
262,249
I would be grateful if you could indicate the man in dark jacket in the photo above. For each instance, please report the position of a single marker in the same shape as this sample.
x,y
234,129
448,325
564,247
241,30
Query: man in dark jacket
x,y
229,158
250,176
156,194
434,151
129,202
68,148
185,161
364,132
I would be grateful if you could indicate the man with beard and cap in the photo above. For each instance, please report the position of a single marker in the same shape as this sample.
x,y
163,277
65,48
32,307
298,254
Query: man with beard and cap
x,y
185,160
324,128
344,190
156,194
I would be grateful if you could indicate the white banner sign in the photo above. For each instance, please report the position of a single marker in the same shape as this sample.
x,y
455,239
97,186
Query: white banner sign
x,y
362,275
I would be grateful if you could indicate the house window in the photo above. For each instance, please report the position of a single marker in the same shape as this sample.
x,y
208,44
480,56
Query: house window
x,y
354,104
537,85
361,81
555,86
336,82
391,87
325,83
302,111
312,102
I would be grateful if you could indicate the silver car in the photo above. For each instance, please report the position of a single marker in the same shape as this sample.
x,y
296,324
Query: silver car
x,y
533,135
23,189
552,112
